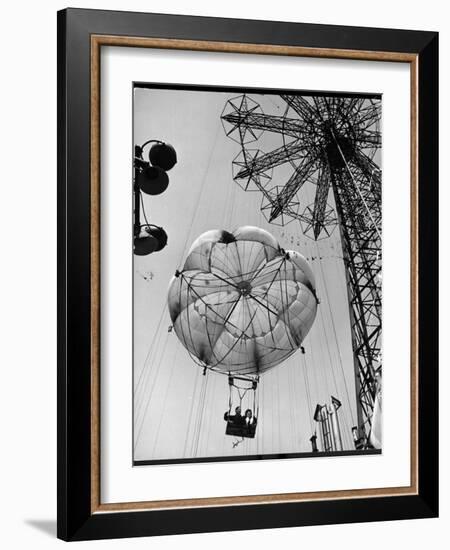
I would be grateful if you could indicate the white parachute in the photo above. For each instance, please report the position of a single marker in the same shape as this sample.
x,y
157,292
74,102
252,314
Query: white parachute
x,y
241,304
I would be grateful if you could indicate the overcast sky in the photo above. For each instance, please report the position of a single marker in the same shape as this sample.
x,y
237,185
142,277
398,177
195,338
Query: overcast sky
x,y
178,412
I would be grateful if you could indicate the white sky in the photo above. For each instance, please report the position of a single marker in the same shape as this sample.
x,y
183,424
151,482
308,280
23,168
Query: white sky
x,y
178,413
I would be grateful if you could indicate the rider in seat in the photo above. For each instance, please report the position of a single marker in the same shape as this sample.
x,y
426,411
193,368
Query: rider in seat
x,y
237,419
250,422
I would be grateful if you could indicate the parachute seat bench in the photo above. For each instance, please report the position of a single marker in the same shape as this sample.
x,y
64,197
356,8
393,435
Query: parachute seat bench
x,y
240,430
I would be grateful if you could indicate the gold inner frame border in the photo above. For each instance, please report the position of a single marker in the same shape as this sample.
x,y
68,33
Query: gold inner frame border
x,y
97,41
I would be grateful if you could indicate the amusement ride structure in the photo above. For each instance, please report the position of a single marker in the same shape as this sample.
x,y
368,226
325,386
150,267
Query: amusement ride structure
x,y
332,142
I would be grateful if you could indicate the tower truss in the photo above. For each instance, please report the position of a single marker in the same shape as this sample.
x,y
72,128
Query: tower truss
x,y
332,143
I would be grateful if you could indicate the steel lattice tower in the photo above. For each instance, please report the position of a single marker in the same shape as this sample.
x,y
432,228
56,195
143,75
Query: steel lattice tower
x,y
331,142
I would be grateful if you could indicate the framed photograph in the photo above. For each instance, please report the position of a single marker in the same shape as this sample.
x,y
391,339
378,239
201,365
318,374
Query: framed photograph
x,y
247,274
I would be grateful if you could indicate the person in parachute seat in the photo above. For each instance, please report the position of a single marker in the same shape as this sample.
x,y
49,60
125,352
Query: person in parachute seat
x,y
237,419
250,422
242,305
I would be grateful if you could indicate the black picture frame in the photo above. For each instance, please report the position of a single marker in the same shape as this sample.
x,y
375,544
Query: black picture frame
x,y
77,517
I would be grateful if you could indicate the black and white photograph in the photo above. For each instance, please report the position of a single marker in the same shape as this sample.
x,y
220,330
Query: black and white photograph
x,y
257,274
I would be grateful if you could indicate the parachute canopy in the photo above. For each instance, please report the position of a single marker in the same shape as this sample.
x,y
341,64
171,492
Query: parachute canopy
x,y
242,304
